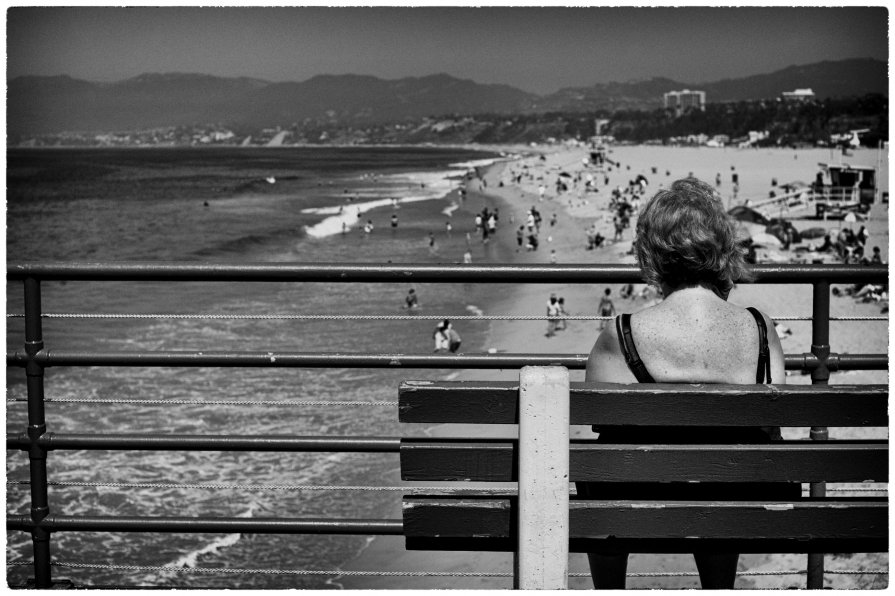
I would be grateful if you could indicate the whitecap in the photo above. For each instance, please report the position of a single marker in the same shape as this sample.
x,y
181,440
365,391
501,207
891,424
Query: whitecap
x,y
449,210
475,310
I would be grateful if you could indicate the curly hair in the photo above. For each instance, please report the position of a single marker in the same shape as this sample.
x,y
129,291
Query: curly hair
x,y
684,237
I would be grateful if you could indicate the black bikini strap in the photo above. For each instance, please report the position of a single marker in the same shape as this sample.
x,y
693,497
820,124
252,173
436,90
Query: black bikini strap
x,y
764,352
626,343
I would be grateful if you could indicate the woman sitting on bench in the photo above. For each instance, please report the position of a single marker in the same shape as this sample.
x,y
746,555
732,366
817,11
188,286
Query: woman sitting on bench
x,y
686,246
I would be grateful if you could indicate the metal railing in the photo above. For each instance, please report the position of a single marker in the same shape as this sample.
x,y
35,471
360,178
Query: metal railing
x,y
35,357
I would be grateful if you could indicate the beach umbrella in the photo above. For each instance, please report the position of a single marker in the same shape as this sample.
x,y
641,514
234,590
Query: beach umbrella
x,y
747,214
814,233
765,239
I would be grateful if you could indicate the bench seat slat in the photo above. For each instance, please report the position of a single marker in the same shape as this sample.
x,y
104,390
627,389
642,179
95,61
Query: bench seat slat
x,y
805,526
787,461
497,402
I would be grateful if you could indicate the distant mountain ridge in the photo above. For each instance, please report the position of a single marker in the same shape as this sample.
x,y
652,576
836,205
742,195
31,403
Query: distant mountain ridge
x,y
37,105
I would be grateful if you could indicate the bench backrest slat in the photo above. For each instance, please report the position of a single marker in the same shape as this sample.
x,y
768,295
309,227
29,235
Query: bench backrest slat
x,y
791,461
809,526
658,404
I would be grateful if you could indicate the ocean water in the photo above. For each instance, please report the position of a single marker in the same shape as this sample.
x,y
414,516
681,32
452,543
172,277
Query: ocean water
x,y
226,205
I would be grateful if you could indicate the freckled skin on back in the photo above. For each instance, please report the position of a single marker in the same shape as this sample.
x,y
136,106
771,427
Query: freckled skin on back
x,y
693,336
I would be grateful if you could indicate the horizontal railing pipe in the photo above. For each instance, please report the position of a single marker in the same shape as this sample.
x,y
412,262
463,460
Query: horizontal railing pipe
x,y
411,272
48,358
53,441
808,361
226,525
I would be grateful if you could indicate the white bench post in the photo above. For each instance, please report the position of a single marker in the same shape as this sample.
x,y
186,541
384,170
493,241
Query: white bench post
x,y
542,556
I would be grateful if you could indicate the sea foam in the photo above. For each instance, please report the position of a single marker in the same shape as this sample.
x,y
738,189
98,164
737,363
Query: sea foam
x,y
398,188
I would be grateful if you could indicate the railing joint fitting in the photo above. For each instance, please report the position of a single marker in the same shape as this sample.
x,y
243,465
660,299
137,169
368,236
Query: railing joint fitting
x,y
36,449
36,431
32,347
38,515
821,373
34,360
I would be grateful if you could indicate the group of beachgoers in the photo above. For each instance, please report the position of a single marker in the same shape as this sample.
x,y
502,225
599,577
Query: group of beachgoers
x,y
527,234
446,337
486,223
556,308
849,246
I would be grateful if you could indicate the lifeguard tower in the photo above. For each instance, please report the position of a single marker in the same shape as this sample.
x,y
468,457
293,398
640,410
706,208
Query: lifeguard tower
x,y
840,188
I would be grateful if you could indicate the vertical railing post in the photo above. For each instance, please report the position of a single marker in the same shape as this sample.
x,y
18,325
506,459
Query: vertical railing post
x,y
34,372
820,347
542,553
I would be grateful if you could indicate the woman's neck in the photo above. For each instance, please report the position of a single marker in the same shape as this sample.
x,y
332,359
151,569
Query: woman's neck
x,y
691,292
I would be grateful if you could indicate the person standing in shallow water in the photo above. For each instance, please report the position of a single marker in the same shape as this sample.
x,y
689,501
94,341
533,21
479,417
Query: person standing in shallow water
x,y
607,308
440,335
686,246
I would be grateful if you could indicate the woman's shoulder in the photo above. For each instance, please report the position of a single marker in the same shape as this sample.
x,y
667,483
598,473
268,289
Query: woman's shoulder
x,y
606,361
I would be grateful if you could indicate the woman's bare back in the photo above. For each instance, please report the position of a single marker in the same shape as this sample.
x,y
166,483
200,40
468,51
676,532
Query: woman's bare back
x,y
691,337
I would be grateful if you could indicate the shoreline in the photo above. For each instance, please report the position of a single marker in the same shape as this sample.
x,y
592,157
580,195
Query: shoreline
x,y
574,214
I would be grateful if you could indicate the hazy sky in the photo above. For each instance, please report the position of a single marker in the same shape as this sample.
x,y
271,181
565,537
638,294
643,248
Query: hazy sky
x,y
535,49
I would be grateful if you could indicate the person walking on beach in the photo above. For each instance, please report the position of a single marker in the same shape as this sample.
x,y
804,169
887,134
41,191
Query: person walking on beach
x,y
607,308
433,248
394,223
561,325
552,313
619,227
520,236
440,335
687,247
411,301
448,228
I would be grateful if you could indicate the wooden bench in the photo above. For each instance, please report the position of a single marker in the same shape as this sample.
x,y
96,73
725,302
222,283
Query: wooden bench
x,y
543,523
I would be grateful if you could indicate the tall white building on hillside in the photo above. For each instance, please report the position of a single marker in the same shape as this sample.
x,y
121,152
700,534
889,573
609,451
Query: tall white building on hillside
x,y
681,101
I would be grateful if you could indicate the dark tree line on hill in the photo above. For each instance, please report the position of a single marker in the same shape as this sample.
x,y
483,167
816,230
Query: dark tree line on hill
x,y
787,123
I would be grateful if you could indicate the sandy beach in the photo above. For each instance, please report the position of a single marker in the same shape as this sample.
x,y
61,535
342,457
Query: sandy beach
x,y
574,211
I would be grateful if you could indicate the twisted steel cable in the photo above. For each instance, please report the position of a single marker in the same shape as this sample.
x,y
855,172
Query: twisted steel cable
x,y
301,317
191,402
349,573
